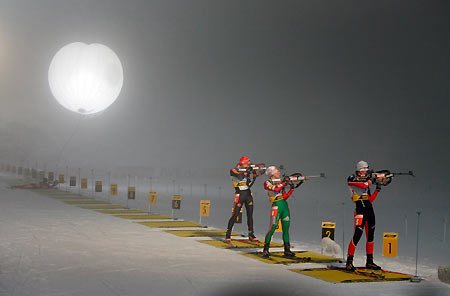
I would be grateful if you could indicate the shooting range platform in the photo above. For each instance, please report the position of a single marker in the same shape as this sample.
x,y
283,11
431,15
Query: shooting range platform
x,y
361,275
116,212
143,217
170,224
86,202
68,197
238,244
300,257
200,233
107,207
56,193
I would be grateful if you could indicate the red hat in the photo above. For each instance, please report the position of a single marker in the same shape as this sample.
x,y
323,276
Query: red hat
x,y
244,160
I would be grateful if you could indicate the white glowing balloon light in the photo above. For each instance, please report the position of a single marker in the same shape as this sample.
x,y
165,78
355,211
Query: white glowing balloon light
x,y
85,78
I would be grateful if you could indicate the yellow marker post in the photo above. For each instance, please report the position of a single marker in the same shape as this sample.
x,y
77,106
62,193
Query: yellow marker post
x,y
328,229
152,199
84,182
41,175
113,189
131,192
27,172
204,209
73,181
61,179
98,186
390,244
176,204
279,227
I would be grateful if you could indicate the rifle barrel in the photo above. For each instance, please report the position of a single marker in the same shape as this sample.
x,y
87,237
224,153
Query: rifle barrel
x,y
317,176
410,173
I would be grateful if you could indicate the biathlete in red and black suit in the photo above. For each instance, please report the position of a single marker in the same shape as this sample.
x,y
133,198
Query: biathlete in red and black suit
x,y
364,215
243,178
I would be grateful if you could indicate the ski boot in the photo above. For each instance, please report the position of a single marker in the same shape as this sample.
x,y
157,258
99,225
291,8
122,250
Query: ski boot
x,y
370,264
228,236
287,250
349,265
252,237
265,252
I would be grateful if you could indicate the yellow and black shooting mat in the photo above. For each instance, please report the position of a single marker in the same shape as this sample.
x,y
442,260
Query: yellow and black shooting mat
x,y
334,275
170,224
200,233
237,244
300,257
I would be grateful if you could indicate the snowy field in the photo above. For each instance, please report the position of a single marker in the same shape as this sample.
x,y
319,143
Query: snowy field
x,y
48,247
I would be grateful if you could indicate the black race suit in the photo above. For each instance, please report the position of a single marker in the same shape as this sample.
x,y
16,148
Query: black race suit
x,y
242,182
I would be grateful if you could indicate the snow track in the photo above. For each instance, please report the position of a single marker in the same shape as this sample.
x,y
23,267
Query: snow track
x,y
48,247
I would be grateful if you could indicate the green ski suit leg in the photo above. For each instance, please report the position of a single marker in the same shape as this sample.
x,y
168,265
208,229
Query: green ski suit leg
x,y
282,212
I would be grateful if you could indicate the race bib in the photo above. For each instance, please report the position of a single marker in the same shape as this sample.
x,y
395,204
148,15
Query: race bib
x,y
274,211
359,220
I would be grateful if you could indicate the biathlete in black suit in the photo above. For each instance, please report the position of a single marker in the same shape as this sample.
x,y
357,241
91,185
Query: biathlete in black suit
x,y
364,215
243,178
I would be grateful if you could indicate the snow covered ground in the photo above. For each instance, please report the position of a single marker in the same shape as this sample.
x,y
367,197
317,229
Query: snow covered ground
x,y
48,247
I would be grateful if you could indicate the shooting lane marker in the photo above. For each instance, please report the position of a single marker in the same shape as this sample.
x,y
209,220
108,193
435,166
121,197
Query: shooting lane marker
x,y
176,204
152,200
61,179
204,209
84,183
113,189
328,229
390,241
98,186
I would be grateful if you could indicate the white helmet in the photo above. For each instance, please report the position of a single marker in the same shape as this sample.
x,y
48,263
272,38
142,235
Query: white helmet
x,y
271,170
362,166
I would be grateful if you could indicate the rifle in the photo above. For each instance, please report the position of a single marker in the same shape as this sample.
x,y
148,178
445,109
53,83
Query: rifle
x,y
297,179
384,177
259,169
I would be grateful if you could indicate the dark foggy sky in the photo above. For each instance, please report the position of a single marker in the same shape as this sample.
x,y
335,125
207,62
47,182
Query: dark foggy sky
x,y
317,85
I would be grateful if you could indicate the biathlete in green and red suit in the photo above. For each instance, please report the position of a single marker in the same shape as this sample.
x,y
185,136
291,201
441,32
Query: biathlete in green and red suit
x,y
275,188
